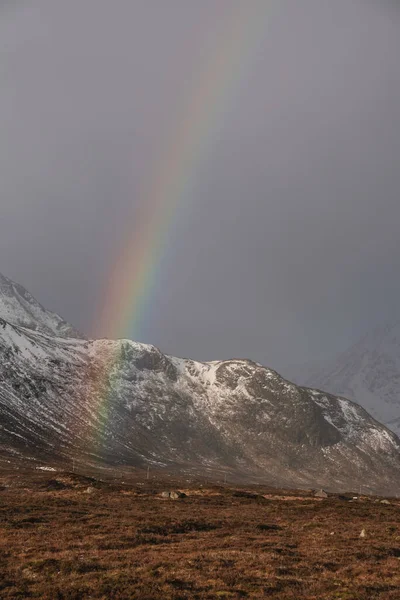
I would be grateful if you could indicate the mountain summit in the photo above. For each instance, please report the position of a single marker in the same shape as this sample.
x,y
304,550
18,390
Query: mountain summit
x,y
368,372
19,307
104,402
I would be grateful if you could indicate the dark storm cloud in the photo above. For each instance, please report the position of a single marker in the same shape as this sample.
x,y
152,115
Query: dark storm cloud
x,y
287,244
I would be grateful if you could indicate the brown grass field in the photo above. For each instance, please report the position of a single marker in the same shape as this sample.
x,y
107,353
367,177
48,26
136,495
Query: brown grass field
x,y
64,536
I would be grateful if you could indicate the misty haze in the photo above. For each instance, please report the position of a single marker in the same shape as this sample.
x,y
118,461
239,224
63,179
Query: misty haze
x,y
199,299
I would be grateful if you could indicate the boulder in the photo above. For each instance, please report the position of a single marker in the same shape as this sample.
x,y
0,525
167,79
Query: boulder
x,y
174,495
320,494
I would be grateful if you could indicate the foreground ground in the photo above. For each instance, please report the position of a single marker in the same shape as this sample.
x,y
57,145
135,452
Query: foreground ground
x,y
63,536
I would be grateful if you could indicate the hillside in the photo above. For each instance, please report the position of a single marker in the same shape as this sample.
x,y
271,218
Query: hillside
x,y
120,402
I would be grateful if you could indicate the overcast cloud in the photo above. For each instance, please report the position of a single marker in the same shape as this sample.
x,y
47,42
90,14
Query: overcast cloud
x,y
288,247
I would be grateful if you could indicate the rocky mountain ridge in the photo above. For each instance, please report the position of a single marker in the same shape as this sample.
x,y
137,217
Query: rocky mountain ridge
x,y
120,402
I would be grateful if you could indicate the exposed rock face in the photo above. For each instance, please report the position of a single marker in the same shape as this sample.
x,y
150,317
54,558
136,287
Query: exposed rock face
x,y
123,402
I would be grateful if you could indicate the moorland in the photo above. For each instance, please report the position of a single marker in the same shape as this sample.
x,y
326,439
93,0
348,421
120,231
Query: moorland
x,y
68,536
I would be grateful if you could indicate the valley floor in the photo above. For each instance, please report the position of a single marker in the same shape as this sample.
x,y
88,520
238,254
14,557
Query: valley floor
x,y
64,536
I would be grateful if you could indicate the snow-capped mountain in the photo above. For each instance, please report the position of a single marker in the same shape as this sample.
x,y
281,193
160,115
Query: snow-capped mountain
x,y
119,402
368,373
18,306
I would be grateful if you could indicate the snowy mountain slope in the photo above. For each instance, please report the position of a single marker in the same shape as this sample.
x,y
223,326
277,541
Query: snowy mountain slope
x,y
122,402
18,306
368,373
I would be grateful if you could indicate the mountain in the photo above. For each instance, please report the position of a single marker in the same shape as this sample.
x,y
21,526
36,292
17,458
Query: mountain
x,y
104,402
18,306
368,373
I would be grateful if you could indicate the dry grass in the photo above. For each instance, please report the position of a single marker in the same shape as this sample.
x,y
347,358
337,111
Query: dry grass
x,y
121,542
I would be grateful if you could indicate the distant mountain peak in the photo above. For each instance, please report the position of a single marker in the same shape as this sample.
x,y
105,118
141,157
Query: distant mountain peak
x,y
368,373
19,307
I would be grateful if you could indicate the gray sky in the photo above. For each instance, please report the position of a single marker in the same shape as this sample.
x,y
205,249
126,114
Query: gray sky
x,y
287,244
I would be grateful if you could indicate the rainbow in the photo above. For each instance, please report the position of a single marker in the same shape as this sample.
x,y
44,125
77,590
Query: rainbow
x,y
134,275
